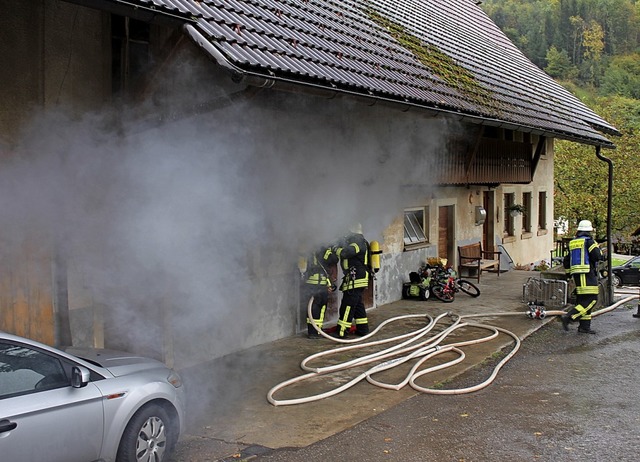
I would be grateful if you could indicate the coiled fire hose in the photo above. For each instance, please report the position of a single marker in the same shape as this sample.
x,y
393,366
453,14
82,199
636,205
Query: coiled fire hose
x,y
414,345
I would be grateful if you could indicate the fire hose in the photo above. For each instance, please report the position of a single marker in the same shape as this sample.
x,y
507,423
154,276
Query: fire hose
x,y
414,345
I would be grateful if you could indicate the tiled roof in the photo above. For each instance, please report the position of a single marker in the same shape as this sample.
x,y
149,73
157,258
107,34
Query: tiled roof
x,y
445,55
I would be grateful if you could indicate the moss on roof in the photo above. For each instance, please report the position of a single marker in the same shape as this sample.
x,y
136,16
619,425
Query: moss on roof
x,y
438,62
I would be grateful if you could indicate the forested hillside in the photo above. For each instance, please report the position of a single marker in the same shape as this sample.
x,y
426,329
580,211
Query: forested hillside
x,y
592,47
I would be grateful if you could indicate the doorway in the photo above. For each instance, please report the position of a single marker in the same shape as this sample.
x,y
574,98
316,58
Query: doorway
x,y
446,239
488,227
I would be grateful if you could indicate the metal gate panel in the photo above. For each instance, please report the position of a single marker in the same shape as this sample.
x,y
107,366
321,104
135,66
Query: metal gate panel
x,y
552,292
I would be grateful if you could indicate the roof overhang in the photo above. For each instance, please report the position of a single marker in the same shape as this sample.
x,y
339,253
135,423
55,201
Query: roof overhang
x,y
272,80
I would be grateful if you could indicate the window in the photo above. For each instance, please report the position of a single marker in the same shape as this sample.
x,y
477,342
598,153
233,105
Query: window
x,y
542,210
24,370
415,226
509,221
526,215
508,135
131,56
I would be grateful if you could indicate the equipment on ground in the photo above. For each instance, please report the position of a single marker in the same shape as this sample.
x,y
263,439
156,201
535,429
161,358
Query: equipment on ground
x,y
434,278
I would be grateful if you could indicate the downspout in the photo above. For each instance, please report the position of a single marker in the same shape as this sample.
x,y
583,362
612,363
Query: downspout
x,y
609,207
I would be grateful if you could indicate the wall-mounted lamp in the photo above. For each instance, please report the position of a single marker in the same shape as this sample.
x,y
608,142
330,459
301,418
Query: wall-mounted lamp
x,y
481,215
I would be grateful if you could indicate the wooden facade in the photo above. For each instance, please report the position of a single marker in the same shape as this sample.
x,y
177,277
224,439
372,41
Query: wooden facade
x,y
27,291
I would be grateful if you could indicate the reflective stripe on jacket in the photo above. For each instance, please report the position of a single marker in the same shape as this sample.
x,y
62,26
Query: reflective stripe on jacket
x,y
354,260
318,267
579,256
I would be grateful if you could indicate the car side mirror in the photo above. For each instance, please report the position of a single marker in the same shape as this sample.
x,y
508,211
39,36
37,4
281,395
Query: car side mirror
x,y
79,376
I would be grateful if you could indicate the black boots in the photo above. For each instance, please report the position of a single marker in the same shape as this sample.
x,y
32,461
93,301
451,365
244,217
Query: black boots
x,y
566,318
582,330
585,328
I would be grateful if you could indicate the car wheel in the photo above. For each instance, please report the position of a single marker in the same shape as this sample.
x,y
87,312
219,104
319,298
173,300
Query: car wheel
x,y
616,281
148,436
424,293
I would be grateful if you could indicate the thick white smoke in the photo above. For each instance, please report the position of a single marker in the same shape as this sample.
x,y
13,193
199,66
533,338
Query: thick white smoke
x,y
172,218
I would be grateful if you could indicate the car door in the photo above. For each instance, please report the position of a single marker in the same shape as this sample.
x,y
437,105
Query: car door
x,y
42,417
632,272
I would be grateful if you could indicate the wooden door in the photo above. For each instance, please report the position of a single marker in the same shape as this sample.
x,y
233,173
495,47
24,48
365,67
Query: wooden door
x,y
488,226
445,233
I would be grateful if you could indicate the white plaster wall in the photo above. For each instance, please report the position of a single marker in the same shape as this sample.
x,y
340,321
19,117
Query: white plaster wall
x,y
528,250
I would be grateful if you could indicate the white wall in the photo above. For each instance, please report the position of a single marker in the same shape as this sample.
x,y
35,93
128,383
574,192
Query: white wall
x,y
529,249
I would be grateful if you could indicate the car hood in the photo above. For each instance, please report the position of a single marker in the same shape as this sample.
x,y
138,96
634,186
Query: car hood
x,y
117,362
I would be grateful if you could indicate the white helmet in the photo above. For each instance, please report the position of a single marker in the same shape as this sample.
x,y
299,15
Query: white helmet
x,y
355,228
585,225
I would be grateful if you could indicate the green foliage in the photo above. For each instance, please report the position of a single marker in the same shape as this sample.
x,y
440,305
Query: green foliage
x,y
581,178
622,76
590,32
559,65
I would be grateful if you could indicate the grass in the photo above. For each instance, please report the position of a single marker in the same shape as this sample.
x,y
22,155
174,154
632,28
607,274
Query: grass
x,y
616,262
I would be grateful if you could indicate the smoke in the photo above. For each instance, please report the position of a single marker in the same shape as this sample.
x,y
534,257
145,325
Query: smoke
x,y
177,218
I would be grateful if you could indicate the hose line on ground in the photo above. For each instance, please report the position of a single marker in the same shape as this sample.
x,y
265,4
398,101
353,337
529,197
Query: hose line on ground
x,y
413,346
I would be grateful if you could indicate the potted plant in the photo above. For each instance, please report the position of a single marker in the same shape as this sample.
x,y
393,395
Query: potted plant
x,y
516,209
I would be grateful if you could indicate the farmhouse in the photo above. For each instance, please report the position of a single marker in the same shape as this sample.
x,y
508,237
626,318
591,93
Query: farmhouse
x,y
165,161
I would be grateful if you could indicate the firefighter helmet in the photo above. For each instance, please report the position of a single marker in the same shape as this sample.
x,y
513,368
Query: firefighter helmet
x,y
585,225
355,228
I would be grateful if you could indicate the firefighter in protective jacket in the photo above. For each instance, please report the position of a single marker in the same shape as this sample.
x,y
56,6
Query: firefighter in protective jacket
x,y
318,284
582,264
354,256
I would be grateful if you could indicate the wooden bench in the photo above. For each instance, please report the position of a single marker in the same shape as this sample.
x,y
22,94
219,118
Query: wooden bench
x,y
472,258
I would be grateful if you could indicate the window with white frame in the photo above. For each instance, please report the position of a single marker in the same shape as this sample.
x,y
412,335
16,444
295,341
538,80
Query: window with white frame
x,y
416,230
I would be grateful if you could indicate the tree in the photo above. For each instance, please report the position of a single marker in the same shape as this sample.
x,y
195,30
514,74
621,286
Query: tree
x,y
581,179
559,64
622,76
580,184
591,31
593,43
577,26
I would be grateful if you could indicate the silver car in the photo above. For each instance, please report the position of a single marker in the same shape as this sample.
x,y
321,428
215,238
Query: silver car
x,y
85,405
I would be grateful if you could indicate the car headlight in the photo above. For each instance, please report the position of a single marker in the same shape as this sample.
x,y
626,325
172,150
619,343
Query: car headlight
x,y
174,379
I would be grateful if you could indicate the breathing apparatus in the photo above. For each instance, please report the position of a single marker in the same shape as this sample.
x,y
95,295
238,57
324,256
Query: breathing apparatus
x,y
302,266
374,250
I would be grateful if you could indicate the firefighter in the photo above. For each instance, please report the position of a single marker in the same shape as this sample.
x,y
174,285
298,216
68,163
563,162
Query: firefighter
x,y
318,285
353,253
581,263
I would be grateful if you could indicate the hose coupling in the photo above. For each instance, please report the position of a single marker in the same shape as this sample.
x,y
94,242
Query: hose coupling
x,y
536,310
